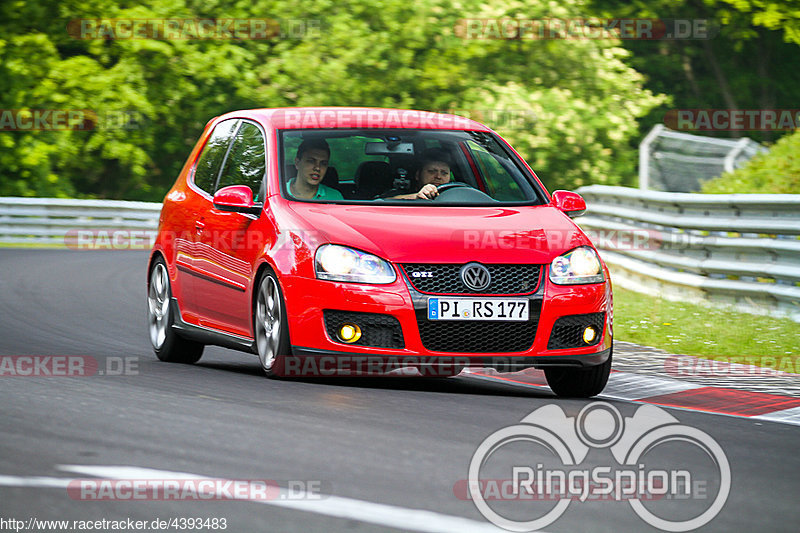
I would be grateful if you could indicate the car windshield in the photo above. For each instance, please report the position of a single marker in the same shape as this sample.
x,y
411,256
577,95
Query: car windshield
x,y
391,166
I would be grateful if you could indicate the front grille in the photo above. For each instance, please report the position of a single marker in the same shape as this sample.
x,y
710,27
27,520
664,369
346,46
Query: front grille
x,y
568,331
380,331
479,336
445,279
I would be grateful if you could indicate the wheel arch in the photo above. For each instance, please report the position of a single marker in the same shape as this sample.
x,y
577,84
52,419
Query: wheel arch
x,y
155,256
264,267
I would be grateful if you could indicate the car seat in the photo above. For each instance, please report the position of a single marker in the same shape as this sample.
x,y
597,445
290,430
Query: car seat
x,y
373,178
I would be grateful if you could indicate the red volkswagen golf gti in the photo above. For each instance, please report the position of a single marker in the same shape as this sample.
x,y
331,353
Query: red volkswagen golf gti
x,y
370,241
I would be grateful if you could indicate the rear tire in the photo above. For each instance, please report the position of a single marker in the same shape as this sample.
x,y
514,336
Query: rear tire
x,y
579,382
167,344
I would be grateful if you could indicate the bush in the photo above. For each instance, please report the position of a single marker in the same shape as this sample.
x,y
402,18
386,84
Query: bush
x,y
777,171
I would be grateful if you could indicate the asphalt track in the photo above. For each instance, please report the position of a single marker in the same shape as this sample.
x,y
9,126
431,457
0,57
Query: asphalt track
x,y
386,453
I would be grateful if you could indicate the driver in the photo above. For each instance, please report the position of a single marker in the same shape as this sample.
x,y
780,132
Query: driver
x,y
434,170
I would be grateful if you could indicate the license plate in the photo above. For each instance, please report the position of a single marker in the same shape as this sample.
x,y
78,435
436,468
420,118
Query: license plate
x,y
514,309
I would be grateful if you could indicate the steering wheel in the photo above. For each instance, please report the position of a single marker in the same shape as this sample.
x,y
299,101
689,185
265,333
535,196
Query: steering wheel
x,y
451,185
458,191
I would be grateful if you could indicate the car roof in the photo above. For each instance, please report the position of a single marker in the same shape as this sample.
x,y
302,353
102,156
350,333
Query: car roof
x,y
354,118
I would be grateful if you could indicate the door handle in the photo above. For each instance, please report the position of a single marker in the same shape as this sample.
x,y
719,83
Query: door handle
x,y
199,226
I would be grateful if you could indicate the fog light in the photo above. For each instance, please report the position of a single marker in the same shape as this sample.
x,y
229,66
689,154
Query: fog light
x,y
349,333
589,334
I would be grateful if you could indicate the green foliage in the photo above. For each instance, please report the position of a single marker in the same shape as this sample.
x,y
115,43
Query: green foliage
x,y
780,15
168,90
777,171
750,60
575,109
581,99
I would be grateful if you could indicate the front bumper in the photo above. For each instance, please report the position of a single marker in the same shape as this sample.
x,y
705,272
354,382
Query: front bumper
x,y
516,345
310,362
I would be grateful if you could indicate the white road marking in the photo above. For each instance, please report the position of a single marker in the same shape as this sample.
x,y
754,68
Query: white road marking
x,y
621,385
36,482
336,506
639,388
507,381
786,416
628,386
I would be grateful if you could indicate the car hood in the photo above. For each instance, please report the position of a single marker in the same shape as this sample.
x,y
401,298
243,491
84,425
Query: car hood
x,y
526,234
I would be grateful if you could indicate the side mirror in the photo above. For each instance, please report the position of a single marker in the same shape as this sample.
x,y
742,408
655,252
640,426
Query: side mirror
x,y
237,199
571,203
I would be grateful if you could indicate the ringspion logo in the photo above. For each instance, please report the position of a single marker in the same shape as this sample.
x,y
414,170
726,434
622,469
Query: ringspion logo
x,y
518,471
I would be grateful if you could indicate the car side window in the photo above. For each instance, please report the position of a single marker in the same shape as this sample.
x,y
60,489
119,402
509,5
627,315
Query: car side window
x,y
208,164
246,162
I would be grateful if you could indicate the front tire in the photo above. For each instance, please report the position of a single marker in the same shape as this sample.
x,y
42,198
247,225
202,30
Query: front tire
x,y
579,382
270,326
167,344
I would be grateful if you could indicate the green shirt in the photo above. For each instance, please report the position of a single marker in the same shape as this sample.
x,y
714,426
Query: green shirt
x,y
323,192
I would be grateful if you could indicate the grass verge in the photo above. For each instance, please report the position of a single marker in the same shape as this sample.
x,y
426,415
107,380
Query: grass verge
x,y
47,245
707,332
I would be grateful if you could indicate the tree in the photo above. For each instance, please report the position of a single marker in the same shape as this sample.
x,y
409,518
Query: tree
x,y
570,107
749,61
574,105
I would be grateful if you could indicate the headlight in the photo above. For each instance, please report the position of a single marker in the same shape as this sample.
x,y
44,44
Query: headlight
x,y
340,263
580,265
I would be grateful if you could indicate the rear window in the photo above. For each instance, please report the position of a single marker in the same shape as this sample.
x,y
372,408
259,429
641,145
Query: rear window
x,y
246,162
210,160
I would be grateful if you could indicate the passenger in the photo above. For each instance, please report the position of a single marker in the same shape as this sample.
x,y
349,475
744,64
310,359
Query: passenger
x,y
312,163
434,170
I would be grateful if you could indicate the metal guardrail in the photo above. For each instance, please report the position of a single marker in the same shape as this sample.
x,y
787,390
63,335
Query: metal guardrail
x,y
676,161
739,249
76,222
735,249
